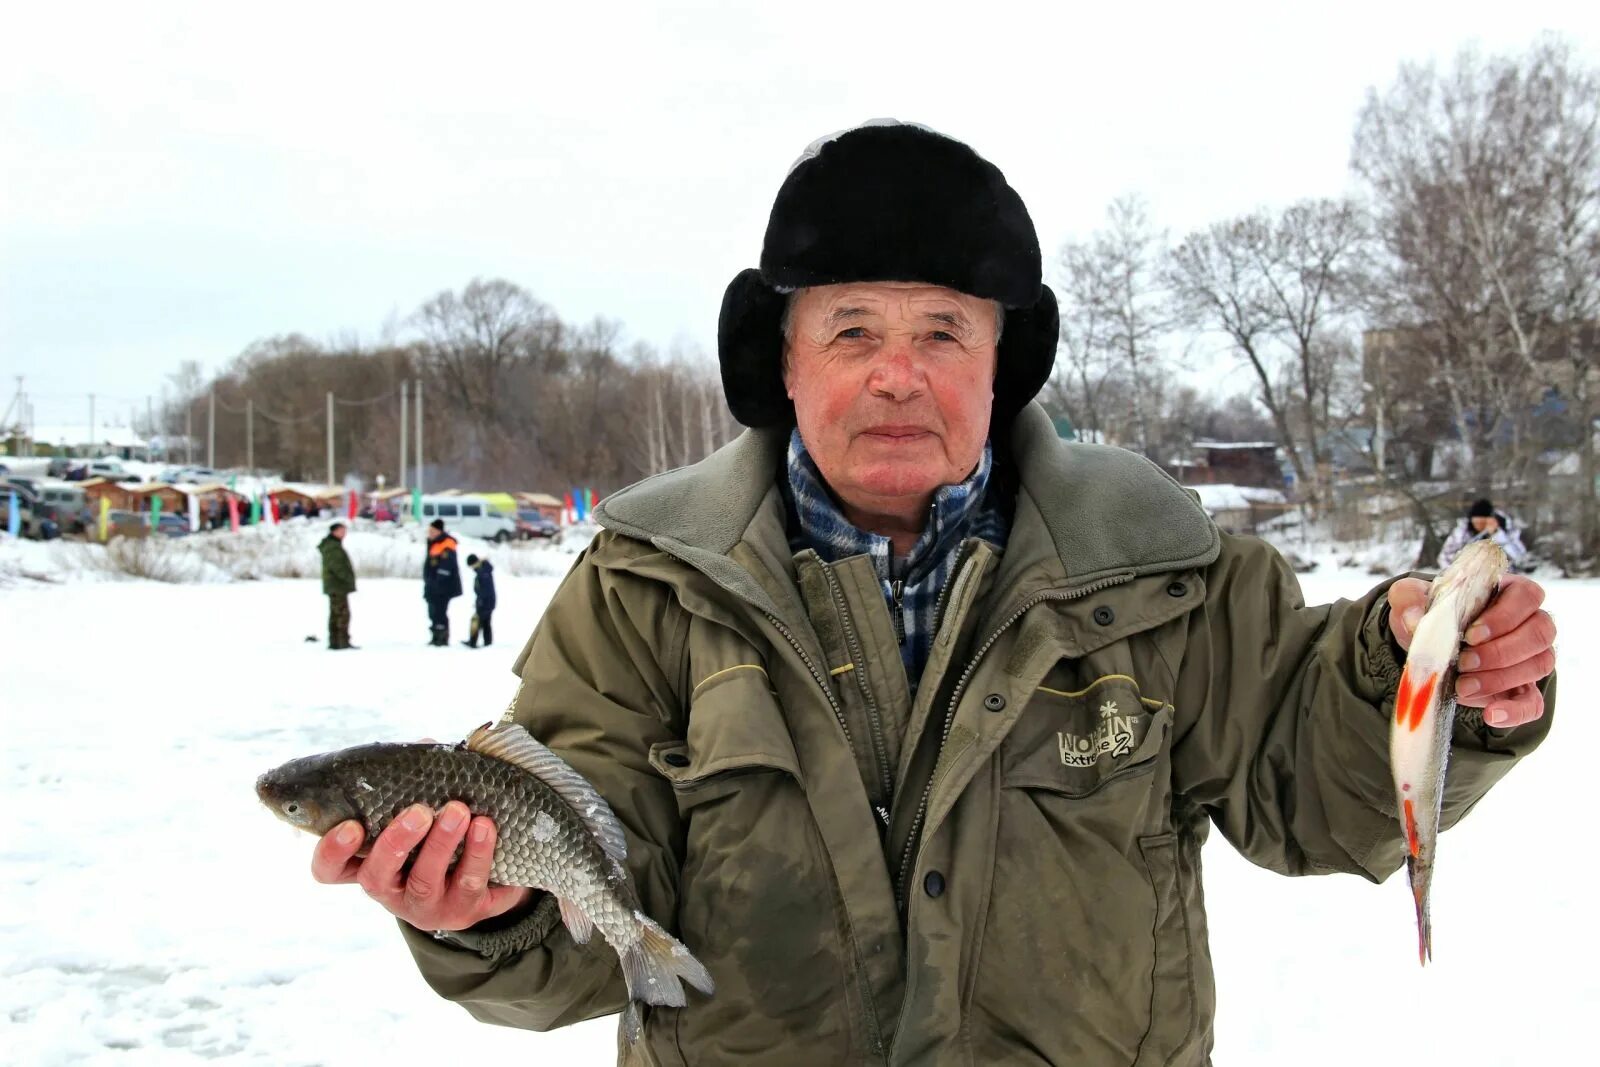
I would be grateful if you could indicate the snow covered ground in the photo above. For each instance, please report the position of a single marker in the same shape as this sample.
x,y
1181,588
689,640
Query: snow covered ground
x,y
154,914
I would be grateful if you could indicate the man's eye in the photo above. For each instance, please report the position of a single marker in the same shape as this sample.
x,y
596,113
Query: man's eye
x,y
941,335
853,333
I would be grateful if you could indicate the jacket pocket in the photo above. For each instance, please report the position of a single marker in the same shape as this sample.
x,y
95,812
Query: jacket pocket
x,y
1172,983
735,729
1084,754
755,900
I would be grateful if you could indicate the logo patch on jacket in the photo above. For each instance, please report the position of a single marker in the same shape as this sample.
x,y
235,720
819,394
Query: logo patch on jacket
x,y
1114,736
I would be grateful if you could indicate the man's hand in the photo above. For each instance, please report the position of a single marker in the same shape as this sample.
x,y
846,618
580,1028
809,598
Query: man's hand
x,y
1511,647
430,896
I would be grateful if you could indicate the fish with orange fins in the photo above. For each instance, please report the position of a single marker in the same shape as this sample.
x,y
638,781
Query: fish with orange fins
x,y
1424,712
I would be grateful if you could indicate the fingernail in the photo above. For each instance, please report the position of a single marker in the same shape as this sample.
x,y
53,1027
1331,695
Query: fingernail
x,y
1468,686
349,834
415,818
1469,661
1496,717
451,818
480,832
1477,634
1411,616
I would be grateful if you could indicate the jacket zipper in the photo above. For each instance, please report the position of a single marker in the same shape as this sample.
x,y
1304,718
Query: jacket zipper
x,y
880,751
914,839
838,713
897,592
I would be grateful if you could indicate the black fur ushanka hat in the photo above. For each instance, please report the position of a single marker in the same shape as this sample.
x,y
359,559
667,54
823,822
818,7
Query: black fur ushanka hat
x,y
889,202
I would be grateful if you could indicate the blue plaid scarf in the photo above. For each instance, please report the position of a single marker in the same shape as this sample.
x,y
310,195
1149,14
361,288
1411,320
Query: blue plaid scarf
x,y
916,582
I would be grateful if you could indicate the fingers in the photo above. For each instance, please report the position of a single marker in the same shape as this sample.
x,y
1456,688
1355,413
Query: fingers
x,y
1517,707
333,861
1481,688
1407,599
472,875
1534,635
1518,599
426,883
380,874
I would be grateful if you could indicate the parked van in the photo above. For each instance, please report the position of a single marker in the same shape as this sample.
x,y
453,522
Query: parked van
x,y
471,516
71,504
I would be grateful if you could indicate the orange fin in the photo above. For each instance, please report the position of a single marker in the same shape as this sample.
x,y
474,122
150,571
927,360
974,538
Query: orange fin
x,y
1411,829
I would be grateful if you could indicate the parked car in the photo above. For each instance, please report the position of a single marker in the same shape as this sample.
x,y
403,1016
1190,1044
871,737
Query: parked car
x,y
181,475
469,515
60,466
174,525
531,524
111,470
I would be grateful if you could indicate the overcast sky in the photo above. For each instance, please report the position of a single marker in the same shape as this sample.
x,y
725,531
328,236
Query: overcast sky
x,y
178,181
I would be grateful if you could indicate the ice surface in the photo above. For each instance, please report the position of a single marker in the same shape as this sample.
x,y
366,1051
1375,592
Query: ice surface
x,y
156,914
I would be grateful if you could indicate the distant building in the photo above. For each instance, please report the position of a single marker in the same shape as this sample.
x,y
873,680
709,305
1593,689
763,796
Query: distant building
x,y
1249,463
1240,508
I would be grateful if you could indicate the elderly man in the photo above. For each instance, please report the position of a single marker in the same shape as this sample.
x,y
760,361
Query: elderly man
x,y
916,715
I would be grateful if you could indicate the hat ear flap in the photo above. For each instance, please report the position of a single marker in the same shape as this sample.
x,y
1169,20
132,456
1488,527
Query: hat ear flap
x,y
1026,355
750,350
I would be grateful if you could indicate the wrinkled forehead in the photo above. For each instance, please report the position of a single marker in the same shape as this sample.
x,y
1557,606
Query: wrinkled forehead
x,y
887,300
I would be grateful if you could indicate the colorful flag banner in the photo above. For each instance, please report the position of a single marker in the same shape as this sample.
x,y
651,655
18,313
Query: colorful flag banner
x,y
416,504
255,509
233,513
14,516
352,508
155,513
194,512
105,519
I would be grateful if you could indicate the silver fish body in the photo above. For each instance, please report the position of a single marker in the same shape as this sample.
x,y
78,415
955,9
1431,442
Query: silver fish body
x,y
1425,707
555,833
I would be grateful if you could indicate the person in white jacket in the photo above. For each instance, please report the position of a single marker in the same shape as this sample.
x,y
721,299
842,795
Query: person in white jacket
x,y
1484,522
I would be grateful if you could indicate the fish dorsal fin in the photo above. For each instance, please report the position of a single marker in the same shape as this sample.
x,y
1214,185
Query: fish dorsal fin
x,y
510,743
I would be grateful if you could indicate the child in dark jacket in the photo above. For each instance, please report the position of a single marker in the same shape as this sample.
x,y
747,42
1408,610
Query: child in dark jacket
x,y
483,602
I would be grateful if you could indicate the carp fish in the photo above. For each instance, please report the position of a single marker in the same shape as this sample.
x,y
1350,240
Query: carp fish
x,y
1425,713
555,833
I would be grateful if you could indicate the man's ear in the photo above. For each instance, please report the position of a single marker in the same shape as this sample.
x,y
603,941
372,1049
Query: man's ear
x,y
788,385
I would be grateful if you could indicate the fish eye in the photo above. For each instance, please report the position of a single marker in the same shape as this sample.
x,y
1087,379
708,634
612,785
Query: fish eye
x,y
296,811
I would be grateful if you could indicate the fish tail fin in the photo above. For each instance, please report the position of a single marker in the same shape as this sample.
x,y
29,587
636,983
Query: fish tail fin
x,y
1419,890
657,965
632,1022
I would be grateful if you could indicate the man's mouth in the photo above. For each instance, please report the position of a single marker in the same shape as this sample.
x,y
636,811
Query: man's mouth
x,y
895,434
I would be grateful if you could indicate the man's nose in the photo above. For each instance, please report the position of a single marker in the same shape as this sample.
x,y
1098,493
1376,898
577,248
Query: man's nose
x,y
896,375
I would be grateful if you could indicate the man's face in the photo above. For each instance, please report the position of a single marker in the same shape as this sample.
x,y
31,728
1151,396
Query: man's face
x,y
338,532
892,385
433,533
1481,523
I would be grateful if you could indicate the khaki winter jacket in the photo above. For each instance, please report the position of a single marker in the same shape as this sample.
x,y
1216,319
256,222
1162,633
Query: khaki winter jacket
x,y
338,576
1118,681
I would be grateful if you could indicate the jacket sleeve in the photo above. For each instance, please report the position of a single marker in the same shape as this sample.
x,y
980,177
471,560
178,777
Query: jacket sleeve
x,y
1511,541
594,689
1283,730
1459,536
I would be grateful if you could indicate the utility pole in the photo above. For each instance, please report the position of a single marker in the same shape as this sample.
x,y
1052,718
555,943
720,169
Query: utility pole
x,y
330,438
405,389
91,425
211,432
419,436
250,435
